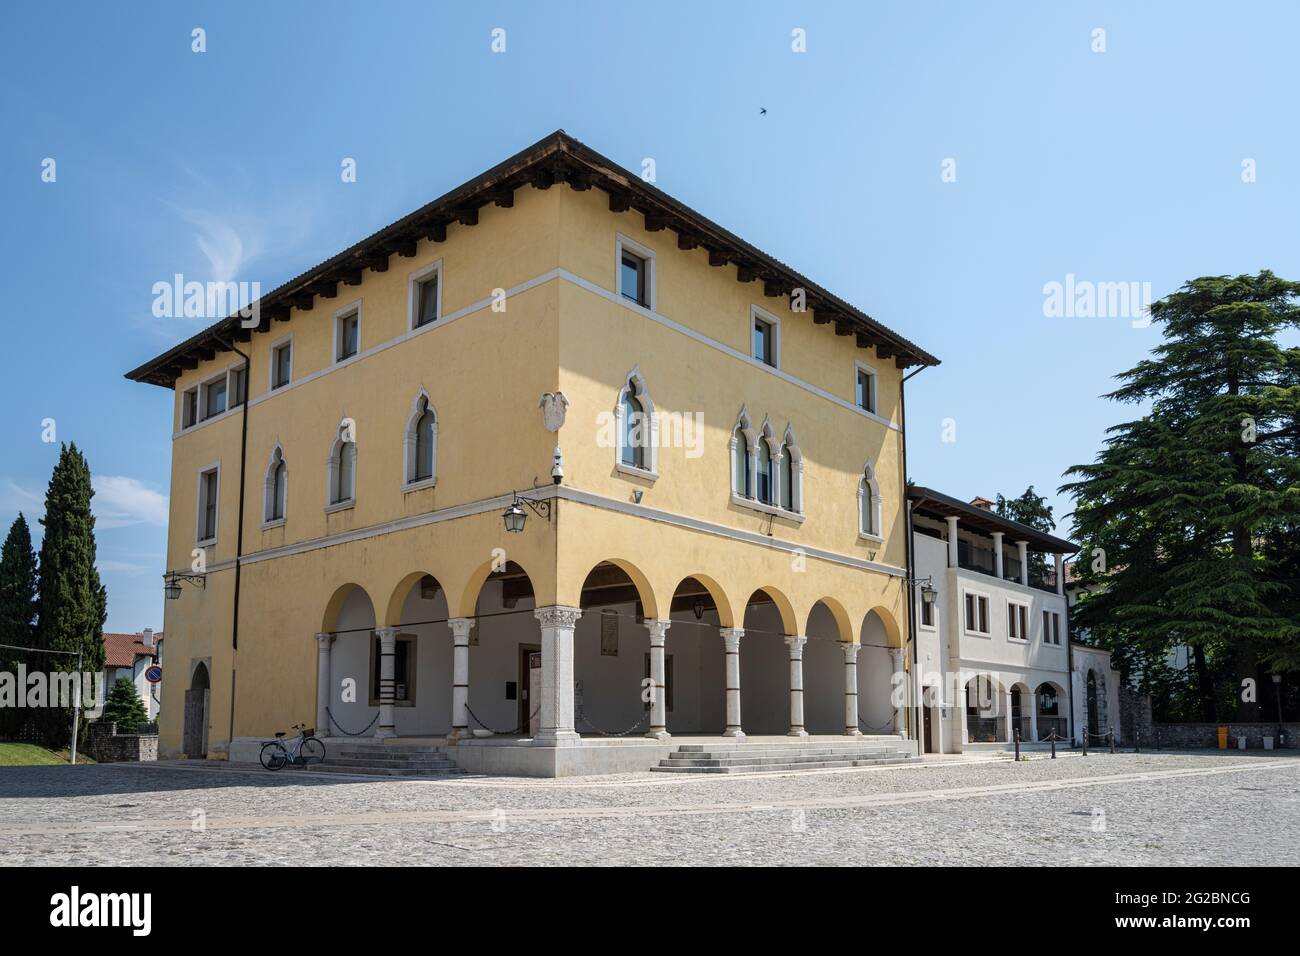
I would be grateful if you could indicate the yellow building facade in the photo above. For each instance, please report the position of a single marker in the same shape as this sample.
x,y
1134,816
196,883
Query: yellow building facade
x,y
709,449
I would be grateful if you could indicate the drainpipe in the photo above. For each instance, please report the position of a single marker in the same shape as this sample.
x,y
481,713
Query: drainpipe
x,y
1069,650
914,706
239,530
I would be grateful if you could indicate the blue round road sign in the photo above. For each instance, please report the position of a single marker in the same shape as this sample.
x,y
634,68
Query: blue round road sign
x,y
153,674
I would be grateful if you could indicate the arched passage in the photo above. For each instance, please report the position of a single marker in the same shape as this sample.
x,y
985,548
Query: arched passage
x,y
417,609
695,665
828,631
351,671
611,651
1021,710
502,694
986,719
1050,715
765,662
881,695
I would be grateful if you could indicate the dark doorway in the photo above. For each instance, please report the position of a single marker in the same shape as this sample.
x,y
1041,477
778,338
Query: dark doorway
x,y
195,733
1094,724
528,700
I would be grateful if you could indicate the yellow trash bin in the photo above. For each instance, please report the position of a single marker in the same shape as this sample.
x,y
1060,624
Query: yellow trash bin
x,y
1223,738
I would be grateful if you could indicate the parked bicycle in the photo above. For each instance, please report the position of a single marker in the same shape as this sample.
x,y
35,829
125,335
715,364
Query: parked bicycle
x,y
300,750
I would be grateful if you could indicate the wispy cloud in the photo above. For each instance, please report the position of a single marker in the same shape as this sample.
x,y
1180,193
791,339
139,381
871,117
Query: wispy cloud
x,y
121,567
15,498
121,501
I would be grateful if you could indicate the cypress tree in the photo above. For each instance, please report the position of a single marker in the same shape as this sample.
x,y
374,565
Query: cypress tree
x,y
18,585
73,603
1192,501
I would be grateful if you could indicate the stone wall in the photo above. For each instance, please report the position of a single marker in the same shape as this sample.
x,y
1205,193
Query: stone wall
x,y
1135,721
106,745
1194,736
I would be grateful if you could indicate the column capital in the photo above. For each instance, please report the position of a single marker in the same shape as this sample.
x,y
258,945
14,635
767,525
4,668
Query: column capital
x,y
324,638
850,649
658,630
386,633
731,636
557,615
896,654
795,642
460,628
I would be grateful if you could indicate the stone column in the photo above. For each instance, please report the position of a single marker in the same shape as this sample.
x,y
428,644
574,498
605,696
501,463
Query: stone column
x,y
387,678
460,628
323,644
556,718
997,553
731,642
963,728
952,540
1033,715
1011,723
851,649
1023,548
658,678
796,643
1060,574
900,681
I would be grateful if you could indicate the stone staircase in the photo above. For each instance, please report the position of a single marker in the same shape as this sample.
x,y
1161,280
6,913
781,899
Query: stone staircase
x,y
393,760
768,756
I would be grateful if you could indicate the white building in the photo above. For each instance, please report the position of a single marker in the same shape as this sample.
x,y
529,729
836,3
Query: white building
x,y
993,649
129,656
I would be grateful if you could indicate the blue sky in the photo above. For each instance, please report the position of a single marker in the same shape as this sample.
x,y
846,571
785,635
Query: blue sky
x,y
1117,166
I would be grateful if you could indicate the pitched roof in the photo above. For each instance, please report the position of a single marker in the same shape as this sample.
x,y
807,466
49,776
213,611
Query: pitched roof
x,y
121,650
557,158
931,502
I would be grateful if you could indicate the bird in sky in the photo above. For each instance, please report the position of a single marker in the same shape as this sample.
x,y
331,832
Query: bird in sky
x,y
762,111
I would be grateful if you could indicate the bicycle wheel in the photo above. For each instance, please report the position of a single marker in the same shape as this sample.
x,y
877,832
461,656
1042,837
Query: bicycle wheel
x,y
313,751
273,756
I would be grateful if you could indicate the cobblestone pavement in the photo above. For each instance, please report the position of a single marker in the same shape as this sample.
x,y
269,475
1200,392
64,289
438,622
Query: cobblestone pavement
x,y
1125,809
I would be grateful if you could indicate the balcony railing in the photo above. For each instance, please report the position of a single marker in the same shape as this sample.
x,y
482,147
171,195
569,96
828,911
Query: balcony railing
x,y
986,730
1047,724
983,560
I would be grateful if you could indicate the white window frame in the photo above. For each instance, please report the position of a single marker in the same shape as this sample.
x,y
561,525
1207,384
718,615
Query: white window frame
x,y
410,443
349,310
768,437
332,464
1051,617
1012,614
773,323
223,378
647,256
634,378
934,612
868,483
988,612
192,390
413,282
861,366
199,540
286,340
231,404
790,445
268,490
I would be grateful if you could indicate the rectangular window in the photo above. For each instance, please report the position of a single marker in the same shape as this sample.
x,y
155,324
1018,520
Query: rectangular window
x,y
632,278
764,341
214,397
281,365
190,408
927,613
403,670
349,335
866,397
208,486
426,301
238,385
1017,621
977,613
1051,627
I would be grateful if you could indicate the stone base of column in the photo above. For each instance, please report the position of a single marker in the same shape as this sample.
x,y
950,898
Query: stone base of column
x,y
658,733
458,734
734,732
562,738
385,732
852,732
797,732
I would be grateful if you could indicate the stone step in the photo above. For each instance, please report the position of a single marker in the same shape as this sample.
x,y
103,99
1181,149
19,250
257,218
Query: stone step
x,y
759,752
824,764
396,755
394,749
791,761
795,743
423,763
385,771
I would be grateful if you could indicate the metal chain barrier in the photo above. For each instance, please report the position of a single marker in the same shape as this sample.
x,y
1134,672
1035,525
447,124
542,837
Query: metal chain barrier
x,y
605,733
863,725
347,733
502,733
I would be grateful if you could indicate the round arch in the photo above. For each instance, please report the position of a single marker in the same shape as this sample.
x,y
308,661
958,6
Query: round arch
x,y
645,593
474,584
893,633
789,619
397,599
726,617
330,619
837,611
